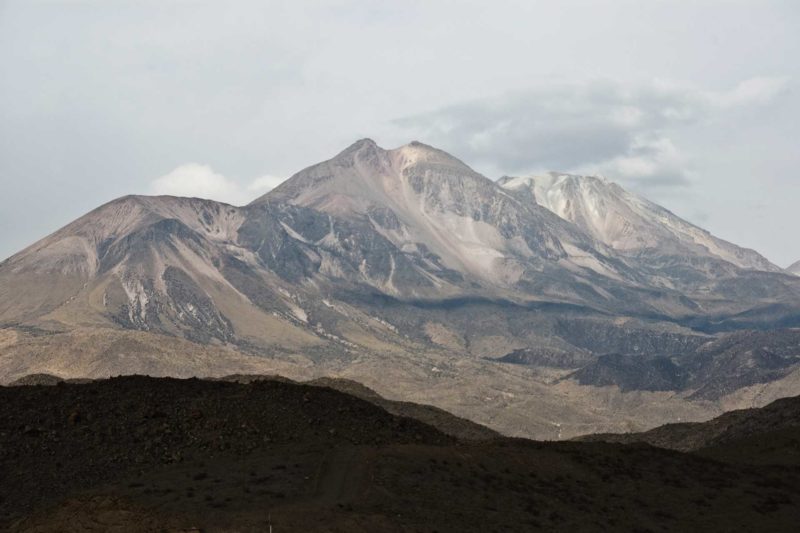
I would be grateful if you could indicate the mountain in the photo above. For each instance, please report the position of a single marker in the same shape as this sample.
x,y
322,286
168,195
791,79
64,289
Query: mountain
x,y
629,223
422,223
145,263
671,250
794,268
409,272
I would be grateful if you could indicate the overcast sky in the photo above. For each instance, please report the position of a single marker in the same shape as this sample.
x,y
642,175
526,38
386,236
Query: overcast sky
x,y
693,104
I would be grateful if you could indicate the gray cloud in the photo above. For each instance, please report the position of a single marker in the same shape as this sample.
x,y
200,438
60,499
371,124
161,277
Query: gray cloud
x,y
614,129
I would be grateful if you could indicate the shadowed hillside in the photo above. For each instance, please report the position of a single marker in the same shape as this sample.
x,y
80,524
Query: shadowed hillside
x,y
147,454
768,435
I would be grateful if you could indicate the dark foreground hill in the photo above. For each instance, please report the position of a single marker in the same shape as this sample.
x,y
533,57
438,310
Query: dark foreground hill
x,y
767,435
145,454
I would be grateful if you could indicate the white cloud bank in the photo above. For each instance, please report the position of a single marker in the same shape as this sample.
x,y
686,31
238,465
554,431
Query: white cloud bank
x,y
201,181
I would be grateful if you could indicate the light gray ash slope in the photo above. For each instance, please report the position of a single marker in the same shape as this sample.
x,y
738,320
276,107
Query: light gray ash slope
x,y
428,204
628,222
667,250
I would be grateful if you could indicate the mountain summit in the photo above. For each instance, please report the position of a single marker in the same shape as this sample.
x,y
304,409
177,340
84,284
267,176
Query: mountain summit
x,y
365,175
430,205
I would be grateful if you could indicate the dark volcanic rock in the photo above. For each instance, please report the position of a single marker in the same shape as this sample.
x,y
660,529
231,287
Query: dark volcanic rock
x,y
630,372
742,359
547,357
711,370
603,336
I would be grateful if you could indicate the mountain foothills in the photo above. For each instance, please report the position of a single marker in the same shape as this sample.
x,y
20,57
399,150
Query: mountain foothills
x,y
146,454
546,306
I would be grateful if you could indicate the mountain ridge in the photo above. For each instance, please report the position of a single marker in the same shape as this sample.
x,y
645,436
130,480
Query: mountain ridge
x,y
628,222
417,194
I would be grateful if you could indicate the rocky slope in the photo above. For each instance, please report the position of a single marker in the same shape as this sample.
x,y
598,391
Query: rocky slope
x,y
627,222
794,269
709,370
461,228
667,250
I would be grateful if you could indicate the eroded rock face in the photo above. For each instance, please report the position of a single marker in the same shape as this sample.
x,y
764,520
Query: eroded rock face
x,y
707,370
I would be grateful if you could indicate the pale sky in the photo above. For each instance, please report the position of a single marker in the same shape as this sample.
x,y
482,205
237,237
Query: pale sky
x,y
693,104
